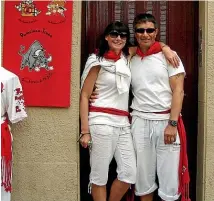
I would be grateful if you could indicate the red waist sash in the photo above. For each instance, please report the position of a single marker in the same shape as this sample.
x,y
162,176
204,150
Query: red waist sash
x,y
109,110
6,157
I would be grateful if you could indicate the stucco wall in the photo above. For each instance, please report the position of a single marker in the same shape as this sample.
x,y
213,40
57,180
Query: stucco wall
x,y
46,155
205,179
209,172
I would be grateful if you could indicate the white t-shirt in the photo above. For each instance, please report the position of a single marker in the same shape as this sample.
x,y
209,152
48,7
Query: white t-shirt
x,y
151,87
12,100
109,96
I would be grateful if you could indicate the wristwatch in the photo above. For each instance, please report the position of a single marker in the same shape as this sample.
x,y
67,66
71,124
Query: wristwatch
x,y
173,123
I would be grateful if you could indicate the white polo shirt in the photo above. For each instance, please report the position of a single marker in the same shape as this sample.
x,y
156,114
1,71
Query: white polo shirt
x,y
110,96
150,85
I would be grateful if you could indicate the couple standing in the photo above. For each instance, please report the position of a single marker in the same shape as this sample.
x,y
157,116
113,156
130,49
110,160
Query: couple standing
x,y
156,141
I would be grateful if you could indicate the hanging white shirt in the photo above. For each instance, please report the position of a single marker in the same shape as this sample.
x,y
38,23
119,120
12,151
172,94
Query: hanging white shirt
x,y
12,100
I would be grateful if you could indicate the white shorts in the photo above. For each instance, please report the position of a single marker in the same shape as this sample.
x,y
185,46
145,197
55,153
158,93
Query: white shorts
x,y
155,157
109,142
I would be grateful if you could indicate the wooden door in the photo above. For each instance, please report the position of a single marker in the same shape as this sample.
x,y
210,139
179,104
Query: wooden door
x,y
178,27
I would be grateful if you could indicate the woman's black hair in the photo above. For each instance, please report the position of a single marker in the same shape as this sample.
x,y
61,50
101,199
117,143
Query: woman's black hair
x,y
103,45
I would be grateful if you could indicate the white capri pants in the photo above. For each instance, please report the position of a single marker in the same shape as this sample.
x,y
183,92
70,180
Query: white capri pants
x,y
155,157
109,142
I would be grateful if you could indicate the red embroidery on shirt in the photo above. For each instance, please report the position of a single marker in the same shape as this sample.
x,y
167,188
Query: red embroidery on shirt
x,y
19,99
17,109
18,91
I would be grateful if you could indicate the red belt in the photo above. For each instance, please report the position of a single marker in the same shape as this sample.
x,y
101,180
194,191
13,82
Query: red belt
x,y
164,112
6,157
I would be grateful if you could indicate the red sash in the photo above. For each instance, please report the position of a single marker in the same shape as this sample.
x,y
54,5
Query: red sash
x,y
184,177
6,157
109,110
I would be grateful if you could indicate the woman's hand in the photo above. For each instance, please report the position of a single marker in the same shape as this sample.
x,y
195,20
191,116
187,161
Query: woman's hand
x,y
85,140
171,56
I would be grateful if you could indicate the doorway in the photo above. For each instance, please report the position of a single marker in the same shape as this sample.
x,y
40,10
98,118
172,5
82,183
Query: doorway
x,y
178,27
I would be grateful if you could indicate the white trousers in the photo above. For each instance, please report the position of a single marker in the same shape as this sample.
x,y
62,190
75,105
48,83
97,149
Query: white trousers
x,y
155,157
5,196
109,142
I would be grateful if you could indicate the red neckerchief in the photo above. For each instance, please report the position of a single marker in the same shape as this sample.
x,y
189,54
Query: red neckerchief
x,y
6,157
111,55
154,49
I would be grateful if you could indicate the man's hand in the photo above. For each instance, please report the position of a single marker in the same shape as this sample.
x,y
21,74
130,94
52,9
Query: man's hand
x,y
93,97
170,134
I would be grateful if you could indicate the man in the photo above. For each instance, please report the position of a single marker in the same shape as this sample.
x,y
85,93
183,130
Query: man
x,y
158,95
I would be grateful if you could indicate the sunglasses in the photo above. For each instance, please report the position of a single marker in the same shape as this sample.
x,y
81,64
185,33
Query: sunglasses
x,y
142,30
115,34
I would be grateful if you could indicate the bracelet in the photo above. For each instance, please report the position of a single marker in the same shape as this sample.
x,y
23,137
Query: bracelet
x,y
84,133
81,134
164,46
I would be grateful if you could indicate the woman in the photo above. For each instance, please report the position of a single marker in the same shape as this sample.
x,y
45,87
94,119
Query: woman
x,y
105,122
110,129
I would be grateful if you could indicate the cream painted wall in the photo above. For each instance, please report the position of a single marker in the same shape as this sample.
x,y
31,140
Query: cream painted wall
x,y
46,155
202,104
209,159
205,155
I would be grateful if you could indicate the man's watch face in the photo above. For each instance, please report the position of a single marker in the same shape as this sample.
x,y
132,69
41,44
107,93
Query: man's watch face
x,y
173,123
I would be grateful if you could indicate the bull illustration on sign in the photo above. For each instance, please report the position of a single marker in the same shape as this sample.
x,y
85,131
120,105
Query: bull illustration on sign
x,y
35,57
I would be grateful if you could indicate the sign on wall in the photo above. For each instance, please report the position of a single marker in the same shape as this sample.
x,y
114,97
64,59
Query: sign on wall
x,y
37,47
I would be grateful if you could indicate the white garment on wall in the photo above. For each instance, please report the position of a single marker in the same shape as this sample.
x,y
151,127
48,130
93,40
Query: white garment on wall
x,y
12,106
